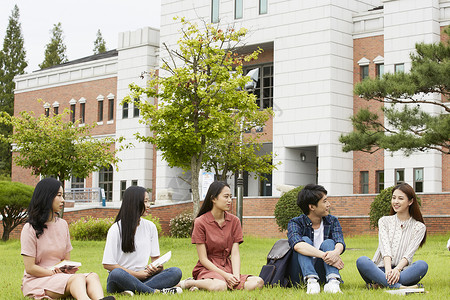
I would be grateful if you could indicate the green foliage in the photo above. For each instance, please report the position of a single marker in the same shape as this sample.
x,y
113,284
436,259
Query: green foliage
x,y
381,206
52,146
155,221
181,225
55,51
12,63
287,208
99,43
14,200
407,128
90,229
200,89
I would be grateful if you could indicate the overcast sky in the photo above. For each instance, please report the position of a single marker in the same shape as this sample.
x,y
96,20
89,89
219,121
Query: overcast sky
x,y
80,20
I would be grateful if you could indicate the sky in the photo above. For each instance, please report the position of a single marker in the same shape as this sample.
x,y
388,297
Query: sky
x,y
80,20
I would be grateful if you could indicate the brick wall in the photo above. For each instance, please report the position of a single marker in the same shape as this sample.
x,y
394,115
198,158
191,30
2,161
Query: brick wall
x,y
258,218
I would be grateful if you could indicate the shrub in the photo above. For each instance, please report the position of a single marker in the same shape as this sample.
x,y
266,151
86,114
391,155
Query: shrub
x,y
155,220
181,225
381,206
287,208
90,229
14,200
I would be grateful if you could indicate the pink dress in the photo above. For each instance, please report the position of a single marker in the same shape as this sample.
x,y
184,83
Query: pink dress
x,y
219,242
49,249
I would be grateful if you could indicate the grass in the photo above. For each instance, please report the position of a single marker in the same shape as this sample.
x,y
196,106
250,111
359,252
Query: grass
x,y
253,256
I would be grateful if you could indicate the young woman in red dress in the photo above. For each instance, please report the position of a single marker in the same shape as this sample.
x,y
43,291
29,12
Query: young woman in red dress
x,y
217,235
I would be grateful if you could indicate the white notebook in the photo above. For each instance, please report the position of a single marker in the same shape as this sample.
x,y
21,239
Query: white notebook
x,y
66,263
162,260
406,291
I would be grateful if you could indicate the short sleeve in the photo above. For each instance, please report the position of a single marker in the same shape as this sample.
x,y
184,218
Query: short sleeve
x,y
28,241
199,232
237,231
110,254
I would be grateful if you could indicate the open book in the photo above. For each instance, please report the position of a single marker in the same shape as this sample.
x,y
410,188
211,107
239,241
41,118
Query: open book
x,y
406,291
162,260
68,263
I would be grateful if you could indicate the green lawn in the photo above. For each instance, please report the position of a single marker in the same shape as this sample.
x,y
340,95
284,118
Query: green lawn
x,y
253,254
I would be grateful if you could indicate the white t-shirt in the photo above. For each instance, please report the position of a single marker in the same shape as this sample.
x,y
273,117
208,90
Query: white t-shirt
x,y
318,236
145,241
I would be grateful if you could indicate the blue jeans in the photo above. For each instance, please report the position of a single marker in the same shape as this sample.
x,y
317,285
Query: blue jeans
x,y
120,280
303,266
373,274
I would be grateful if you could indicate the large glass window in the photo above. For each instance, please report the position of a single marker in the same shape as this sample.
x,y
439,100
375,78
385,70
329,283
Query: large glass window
x,y
136,108
264,86
399,68
82,112
399,176
56,110
263,7
125,111
106,181
72,113
123,187
110,109
418,180
100,111
380,181
364,72
77,182
238,9
214,11
380,70
364,189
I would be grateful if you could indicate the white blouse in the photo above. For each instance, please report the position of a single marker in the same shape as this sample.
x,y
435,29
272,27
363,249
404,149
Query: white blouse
x,y
398,239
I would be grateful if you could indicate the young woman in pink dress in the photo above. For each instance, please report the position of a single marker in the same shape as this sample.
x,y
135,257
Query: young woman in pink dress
x,y
217,235
45,241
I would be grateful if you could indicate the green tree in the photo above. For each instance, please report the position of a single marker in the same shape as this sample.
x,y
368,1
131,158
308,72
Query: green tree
x,y
12,63
200,89
55,51
14,200
408,124
51,146
99,43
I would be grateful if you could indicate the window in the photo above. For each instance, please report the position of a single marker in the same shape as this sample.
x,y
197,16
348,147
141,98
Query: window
x,y
263,7
77,182
264,86
134,182
136,108
380,181
125,111
380,70
111,109
72,113
364,72
214,11
123,187
47,111
55,110
418,180
238,9
106,181
100,111
399,176
82,112
364,182
399,68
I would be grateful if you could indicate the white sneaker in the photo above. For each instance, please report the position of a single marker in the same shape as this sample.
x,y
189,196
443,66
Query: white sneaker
x,y
127,293
172,290
313,287
332,286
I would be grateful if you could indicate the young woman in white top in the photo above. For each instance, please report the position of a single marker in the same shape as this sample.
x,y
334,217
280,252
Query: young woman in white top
x,y
130,242
400,234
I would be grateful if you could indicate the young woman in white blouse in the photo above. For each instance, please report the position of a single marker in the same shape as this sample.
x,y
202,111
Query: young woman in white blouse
x,y
400,234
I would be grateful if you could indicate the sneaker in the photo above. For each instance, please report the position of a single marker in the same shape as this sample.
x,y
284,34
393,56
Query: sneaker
x,y
332,286
313,286
172,290
127,293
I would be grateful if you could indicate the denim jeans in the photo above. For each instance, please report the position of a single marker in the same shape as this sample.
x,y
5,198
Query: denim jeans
x,y
303,266
373,274
120,280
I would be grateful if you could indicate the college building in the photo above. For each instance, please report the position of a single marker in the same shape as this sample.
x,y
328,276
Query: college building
x,y
314,54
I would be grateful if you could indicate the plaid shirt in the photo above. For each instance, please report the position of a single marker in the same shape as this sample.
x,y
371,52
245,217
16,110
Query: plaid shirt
x,y
301,226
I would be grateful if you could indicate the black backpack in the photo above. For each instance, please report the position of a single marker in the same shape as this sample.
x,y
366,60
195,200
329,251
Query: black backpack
x,y
275,272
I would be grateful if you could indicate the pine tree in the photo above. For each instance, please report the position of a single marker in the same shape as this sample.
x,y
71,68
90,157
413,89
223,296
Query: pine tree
x,y
99,43
55,52
12,63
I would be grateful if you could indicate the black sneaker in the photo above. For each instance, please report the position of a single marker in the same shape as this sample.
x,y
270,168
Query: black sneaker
x,y
172,290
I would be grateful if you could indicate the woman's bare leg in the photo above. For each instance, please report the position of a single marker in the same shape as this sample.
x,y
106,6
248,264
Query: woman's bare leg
x,y
94,287
207,284
253,282
76,286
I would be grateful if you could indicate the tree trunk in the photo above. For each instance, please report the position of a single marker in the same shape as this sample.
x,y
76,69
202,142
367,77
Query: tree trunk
x,y
5,235
195,171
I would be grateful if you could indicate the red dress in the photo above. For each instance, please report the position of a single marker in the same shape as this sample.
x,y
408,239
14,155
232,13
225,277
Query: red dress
x,y
219,242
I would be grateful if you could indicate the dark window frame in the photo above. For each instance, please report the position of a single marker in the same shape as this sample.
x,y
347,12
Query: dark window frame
x,y
264,86
106,181
364,182
83,112
100,111
263,7
111,103
418,184
399,171
125,109
379,184
364,72
72,112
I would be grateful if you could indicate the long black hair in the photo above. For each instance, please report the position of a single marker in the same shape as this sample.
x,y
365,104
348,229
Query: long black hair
x,y
40,206
130,212
214,191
